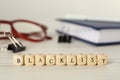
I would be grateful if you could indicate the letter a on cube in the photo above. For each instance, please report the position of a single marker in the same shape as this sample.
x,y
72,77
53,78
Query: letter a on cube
x,y
40,60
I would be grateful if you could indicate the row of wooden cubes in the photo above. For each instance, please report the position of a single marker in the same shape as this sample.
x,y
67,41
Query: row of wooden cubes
x,y
59,59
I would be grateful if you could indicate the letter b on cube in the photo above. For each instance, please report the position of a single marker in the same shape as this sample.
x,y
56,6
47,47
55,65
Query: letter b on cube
x,y
18,59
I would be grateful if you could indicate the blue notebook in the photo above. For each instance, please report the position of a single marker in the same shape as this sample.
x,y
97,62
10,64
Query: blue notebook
x,y
103,32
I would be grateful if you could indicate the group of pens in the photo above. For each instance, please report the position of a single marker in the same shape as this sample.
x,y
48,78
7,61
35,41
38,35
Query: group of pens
x,y
60,59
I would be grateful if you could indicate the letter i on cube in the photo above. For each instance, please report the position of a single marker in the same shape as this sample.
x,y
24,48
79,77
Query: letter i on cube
x,y
81,59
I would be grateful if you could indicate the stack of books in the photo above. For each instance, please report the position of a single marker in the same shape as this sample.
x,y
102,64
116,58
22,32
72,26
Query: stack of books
x,y
96,32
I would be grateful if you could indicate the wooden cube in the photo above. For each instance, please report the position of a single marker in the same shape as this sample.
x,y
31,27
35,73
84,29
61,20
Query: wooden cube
x,y
102,59
29,60
18,59
60,60
81,59
40,60
91,60
50,60
71,60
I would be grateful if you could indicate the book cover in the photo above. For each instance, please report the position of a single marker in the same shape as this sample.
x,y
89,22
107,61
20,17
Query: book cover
x,y
96,24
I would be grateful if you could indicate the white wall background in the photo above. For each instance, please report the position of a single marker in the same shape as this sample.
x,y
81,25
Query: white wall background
x,y
50,9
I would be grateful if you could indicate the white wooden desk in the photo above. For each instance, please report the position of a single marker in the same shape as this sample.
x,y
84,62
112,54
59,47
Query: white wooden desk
x,y
111,71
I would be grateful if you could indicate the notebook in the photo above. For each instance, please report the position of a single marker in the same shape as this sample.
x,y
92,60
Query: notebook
x,y
96,32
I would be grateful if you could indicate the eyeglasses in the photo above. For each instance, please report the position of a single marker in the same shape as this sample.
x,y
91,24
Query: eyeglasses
x,y
24,29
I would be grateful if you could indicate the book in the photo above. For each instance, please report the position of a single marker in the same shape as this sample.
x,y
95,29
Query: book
x,y
96,32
